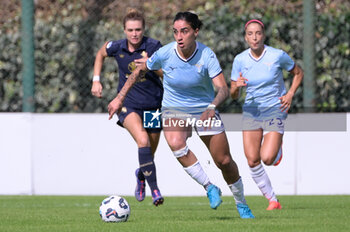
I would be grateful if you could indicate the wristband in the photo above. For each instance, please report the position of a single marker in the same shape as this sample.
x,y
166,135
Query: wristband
x,y
211,107
96,78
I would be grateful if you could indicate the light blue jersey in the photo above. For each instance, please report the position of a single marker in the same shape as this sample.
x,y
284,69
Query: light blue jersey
x,y
265,81
187,83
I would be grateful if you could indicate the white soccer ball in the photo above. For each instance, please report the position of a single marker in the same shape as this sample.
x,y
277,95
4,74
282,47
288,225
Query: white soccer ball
x,y
114,209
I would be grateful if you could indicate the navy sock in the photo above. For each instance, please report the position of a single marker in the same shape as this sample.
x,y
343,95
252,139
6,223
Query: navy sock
x,y
140,175
147,167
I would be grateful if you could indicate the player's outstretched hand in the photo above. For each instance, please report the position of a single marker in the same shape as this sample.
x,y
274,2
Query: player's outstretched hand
x,y
241,81
96,89
114,106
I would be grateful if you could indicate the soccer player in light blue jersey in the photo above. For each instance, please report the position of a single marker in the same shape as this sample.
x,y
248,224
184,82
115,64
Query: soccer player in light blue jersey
x,y
190,72
267,102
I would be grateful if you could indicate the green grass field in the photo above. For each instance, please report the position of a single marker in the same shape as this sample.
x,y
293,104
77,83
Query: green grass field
x,y
80,213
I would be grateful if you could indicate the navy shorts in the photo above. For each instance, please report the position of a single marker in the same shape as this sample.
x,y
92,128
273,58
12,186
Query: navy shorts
x,y
125,111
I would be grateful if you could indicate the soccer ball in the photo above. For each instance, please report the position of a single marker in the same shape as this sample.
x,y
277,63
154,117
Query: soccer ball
x,y
114,209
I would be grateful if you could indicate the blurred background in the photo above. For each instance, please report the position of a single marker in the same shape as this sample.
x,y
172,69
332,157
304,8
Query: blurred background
x,y
55,137
67,35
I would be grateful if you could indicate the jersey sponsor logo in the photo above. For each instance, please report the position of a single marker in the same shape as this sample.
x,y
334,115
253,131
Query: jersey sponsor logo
x,y
121,56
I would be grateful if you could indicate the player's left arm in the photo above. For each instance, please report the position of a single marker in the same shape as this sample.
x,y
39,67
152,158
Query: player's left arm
x,y
286,100
117,103
221,88
222,93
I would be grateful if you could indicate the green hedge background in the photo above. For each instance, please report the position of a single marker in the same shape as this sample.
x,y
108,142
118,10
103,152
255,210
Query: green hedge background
x,y
69,33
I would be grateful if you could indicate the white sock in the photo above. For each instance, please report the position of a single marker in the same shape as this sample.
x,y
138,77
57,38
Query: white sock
x,y
278,156
197,173
238,191
263,182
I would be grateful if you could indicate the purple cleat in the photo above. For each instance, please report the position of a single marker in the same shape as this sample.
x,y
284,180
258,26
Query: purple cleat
x,y
157,197
140,191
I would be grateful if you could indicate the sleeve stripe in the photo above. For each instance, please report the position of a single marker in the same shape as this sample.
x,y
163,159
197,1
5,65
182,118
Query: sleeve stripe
x,y
292,67
149,68
216,75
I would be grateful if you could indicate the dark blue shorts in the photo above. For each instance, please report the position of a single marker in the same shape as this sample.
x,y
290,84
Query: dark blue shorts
x,y
125,111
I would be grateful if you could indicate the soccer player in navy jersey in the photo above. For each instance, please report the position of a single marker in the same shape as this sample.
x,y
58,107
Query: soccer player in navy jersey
x,y
259,69
146,95
191,70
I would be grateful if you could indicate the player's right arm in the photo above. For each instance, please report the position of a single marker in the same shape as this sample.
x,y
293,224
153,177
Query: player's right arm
x,y
152,63
237,79
236,85
96,88
117,103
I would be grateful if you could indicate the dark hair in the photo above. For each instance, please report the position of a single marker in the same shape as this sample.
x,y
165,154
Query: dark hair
x,y
134,14
190,18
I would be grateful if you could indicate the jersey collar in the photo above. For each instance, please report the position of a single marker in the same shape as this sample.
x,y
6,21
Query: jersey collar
x,y
183,59
261,56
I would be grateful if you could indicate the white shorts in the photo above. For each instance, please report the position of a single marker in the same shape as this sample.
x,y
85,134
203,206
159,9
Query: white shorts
x,y
274,124
174,118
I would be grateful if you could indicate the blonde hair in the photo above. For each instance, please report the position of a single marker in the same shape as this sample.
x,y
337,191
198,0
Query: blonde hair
x,y
134,14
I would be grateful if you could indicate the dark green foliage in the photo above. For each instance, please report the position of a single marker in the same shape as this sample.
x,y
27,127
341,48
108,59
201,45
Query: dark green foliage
x,y
65,49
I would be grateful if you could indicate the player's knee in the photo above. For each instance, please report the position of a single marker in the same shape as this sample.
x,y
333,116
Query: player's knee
x,y
253,163
143,142
267,160
224,161
181,152
175,143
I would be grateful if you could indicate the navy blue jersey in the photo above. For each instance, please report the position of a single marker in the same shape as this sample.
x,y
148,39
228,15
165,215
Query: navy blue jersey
x,y
148,93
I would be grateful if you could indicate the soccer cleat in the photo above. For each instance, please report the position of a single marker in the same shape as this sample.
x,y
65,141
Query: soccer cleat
x,y
140,191
274,205
279,158
244,211
157,198
214,193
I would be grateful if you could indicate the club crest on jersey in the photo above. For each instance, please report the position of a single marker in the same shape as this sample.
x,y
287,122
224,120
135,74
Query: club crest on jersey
x,y
132,66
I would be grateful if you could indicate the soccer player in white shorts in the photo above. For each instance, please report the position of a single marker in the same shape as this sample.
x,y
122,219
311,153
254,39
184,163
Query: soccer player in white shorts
x,y
190,72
